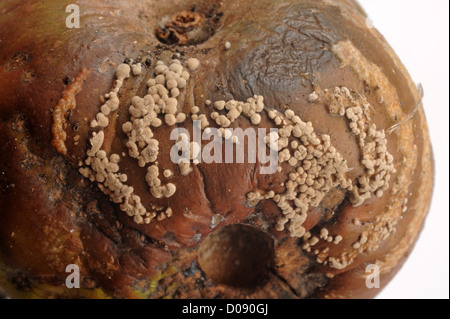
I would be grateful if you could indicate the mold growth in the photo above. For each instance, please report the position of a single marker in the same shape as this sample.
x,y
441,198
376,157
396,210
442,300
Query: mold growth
x,y
314,166
377,161
159,101
104,170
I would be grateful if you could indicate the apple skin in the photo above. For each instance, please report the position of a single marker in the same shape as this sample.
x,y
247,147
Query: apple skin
x,y
51,217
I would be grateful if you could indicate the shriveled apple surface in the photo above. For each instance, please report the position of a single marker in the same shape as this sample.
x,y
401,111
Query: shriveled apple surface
x,y
226,235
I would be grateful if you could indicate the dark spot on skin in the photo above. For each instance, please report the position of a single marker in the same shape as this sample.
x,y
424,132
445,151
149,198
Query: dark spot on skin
x,y
42,178
211,13
20,281
28,76
18,60
205,50
169,236
76,127
188,27
88,283
199,283
18,124
66,80
366,88
191,271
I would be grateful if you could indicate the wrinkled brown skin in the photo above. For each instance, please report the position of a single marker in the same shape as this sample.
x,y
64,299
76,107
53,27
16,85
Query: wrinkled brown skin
x,y
51,217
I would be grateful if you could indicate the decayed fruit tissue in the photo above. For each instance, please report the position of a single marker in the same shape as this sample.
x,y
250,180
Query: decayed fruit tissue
x,y
205,149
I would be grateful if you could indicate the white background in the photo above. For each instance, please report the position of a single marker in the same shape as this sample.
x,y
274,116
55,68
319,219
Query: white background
x,y
418,30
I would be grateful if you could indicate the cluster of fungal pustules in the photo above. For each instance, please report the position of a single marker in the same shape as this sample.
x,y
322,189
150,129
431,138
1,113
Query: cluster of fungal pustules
x,y
145,115
315,166
158,107
378,163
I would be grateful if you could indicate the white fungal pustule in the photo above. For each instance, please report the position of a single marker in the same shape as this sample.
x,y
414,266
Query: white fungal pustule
x,y
180,118
185,168
136,69
168,173
169,190
122,72
192,64
256,119
112,103
194,150
96,143
195,110
337,239
251,109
